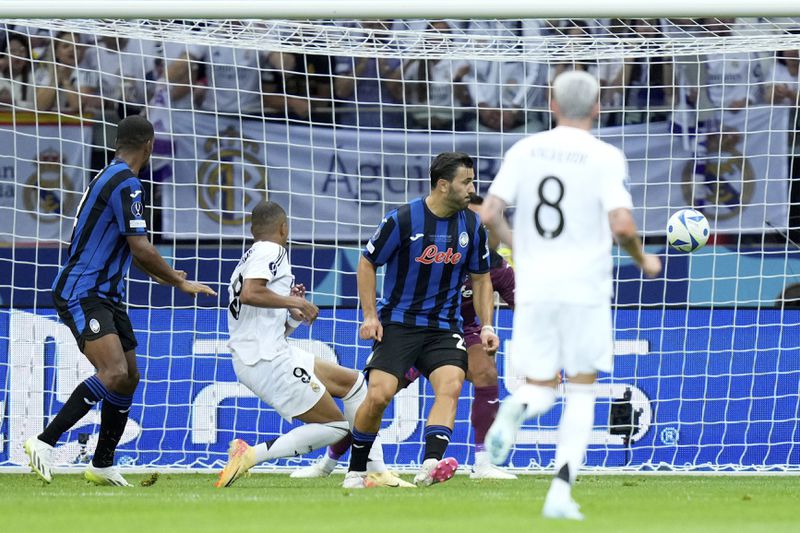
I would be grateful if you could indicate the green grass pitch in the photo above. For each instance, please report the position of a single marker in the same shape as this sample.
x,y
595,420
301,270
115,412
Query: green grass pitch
x,y
275,503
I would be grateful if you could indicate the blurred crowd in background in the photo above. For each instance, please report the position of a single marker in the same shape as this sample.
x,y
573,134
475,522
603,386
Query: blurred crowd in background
x,y
104,78
109,77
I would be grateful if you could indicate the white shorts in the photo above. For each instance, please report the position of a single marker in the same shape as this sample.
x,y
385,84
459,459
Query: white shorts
x,y
286,383
549,337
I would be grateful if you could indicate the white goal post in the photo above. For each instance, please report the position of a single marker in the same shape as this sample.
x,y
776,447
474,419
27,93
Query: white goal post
x,y
335,109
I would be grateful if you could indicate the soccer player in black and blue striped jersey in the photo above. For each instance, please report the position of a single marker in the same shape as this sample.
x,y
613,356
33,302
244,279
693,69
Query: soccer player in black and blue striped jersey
x,y
428,246
110,231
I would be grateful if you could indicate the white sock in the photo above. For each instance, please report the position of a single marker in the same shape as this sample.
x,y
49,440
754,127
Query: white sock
x,y
537,399
574,430
328,463
351,402
301,440
353,399
559,490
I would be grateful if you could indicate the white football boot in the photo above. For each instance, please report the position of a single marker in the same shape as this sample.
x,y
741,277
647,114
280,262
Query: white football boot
x,y
41,458
559,503
486,470
355,480
564,510
321,468
105,476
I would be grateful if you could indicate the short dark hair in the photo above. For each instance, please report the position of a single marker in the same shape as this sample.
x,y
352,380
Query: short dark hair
x,y
476,199
133,132
266,215
446,165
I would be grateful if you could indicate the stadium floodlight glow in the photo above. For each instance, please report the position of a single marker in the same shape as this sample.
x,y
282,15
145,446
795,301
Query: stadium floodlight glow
x,y
368,9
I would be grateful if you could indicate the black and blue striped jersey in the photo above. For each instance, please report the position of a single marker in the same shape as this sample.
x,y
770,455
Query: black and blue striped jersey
x,y
98,258
426,259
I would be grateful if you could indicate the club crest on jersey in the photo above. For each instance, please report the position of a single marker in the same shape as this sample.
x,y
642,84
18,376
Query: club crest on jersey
x,y
463,239
432,254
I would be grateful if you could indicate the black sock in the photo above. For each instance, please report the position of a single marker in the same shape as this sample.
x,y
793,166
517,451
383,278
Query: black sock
x,y
436,440
83,398
112,423
563,473
359,452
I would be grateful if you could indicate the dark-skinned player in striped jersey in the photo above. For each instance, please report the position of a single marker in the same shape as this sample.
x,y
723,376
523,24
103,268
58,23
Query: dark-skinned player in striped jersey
x,y
110,231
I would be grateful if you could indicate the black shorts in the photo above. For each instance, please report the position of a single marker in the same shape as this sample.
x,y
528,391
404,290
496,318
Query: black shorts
x,y
424,348
92,317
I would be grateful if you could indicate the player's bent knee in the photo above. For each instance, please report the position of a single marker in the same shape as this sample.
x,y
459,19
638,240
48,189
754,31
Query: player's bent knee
x,y
116,379
378,399
339,425
449,388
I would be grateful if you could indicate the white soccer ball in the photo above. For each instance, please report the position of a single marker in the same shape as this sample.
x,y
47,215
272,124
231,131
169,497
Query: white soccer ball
x,y
687,230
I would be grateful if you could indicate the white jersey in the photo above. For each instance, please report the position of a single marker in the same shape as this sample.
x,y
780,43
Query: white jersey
x,y
563,182
731,77
434,87
258,333
234,77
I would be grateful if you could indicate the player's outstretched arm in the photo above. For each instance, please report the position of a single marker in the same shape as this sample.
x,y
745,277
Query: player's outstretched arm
x,y
151,263
492,217
627,235
483,301
367,277
155,278
256,293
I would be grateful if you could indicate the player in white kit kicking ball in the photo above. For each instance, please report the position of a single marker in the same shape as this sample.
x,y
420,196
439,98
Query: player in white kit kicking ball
x,y
570,196
265,306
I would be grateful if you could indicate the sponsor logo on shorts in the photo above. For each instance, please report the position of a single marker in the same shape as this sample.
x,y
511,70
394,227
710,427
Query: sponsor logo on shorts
x,y
314,387
94,325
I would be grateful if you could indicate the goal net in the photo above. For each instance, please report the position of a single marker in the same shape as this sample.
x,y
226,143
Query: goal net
x,y
338,122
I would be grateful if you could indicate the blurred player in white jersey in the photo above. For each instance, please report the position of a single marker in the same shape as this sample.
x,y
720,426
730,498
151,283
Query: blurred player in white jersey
x,y
265,306
569,191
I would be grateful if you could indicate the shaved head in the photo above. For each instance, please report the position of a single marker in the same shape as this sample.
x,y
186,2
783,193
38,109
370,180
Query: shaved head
x,y
267,218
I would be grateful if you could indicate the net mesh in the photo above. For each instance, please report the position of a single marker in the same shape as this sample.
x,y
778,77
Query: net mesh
x,y
525,39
